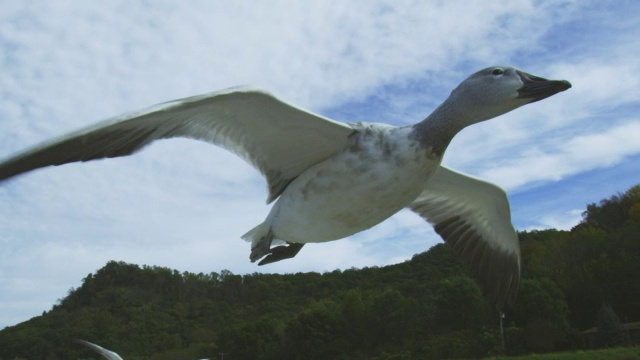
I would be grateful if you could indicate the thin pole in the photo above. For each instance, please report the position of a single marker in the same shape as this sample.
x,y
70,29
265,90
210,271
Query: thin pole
x,y
501,316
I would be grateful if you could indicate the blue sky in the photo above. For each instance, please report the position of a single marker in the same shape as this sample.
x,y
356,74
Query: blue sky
x,y
184,204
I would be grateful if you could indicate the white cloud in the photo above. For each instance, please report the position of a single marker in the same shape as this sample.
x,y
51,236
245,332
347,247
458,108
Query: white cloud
x,y
567,157
560,221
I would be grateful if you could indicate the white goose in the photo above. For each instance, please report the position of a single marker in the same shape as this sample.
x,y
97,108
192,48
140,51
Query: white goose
x,y
332,179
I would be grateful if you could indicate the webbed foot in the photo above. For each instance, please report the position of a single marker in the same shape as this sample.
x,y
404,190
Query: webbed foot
x,y
281,252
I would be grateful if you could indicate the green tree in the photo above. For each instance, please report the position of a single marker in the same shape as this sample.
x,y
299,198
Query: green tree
x,y
612,213
542,312
611,333
459,304
317,333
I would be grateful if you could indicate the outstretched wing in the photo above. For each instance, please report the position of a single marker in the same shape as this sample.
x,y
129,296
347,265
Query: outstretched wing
x,y
474,217
107,354
279,139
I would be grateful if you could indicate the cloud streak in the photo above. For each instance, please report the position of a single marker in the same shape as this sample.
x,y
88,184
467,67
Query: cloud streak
x,y
566,157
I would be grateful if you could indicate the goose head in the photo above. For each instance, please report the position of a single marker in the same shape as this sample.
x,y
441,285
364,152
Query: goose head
x,y
499,89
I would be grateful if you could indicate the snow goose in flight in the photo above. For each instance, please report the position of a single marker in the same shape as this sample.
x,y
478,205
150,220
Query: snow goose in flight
x,y
332,179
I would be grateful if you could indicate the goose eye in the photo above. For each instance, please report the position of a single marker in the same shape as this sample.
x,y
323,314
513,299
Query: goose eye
x,y
497,72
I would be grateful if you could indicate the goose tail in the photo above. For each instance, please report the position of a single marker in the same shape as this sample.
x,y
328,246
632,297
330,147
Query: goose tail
x,y
256,234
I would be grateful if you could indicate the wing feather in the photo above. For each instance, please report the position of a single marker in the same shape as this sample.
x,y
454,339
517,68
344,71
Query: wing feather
x,y
107,354
278,139
473,216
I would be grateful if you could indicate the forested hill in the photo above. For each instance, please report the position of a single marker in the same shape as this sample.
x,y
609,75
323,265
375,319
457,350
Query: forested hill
x,y
427,307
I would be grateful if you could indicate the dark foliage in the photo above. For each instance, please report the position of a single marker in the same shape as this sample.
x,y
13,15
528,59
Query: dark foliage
x,y
427,307
610,333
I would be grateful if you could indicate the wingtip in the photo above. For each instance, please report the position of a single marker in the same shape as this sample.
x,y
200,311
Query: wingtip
x,y
505,297
497,272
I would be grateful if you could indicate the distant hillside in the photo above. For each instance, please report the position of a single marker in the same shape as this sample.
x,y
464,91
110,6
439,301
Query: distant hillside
x,y
427,307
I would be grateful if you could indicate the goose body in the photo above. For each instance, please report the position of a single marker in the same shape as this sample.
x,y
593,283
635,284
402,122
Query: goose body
x,y
376,170
332,179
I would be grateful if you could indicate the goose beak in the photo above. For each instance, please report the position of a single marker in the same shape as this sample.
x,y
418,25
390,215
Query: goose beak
x,y
537,88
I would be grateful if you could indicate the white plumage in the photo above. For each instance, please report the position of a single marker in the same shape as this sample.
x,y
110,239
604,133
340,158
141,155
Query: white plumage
x,y
107,354
332,179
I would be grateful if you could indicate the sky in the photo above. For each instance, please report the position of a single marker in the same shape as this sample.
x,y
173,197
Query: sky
x,y
184,204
